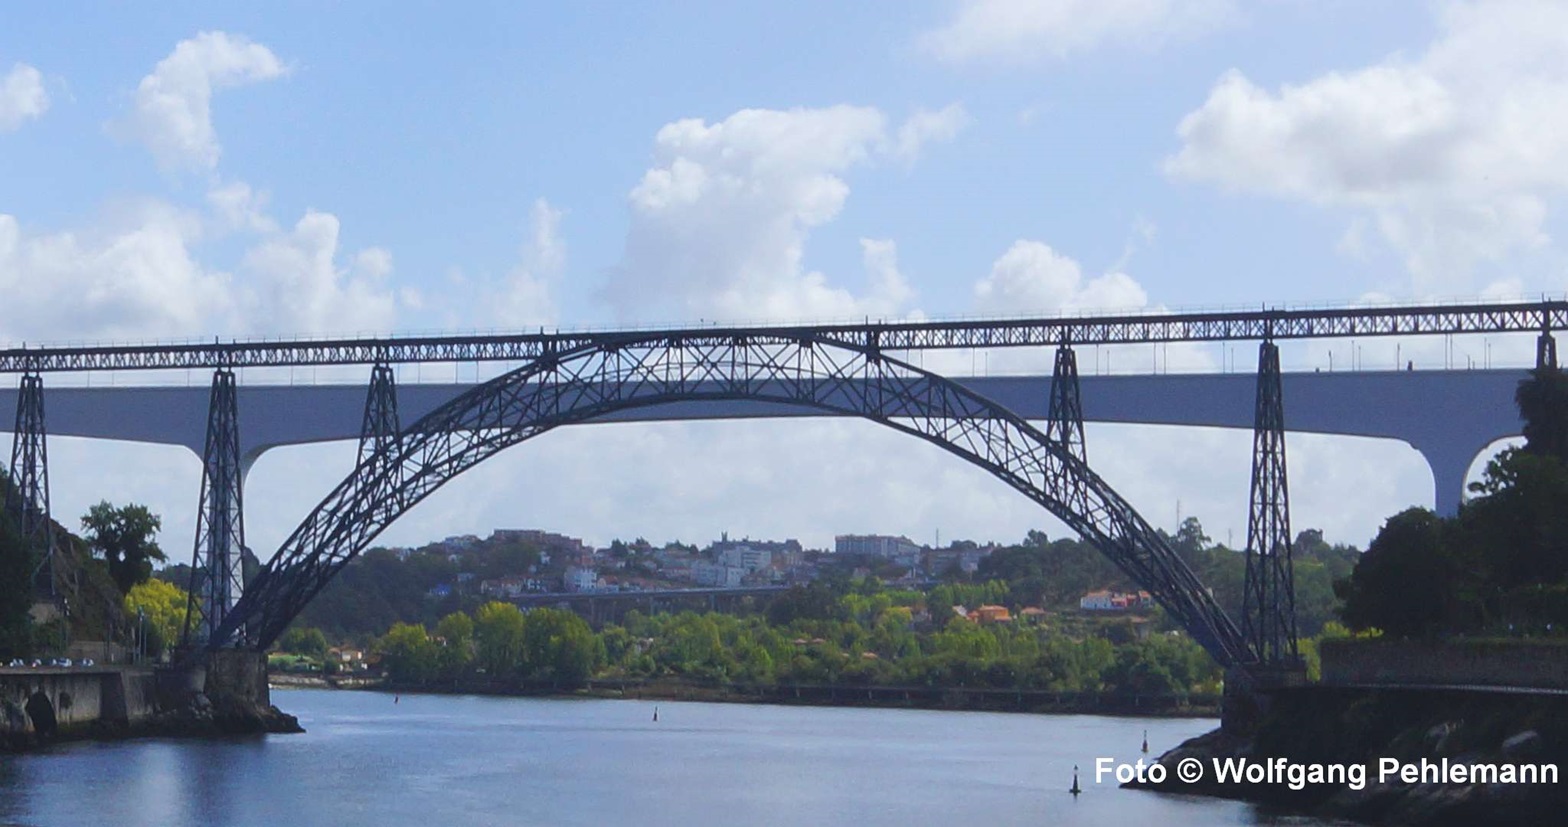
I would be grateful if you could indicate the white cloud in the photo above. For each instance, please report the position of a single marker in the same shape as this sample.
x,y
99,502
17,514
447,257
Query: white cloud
x,y
1021,31
526,297
926,127
1453,155
720,222
131,276
138,273
296,284
172,114
22,97
1032,278
238,207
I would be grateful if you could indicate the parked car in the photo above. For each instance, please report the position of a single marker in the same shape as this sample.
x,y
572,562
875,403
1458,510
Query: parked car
x,y
17,662
85,662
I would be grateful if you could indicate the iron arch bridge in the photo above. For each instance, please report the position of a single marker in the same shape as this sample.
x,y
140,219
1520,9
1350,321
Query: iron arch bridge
x,y
796,368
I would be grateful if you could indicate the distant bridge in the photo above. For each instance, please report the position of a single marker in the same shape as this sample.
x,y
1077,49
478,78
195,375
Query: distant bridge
x,y
846,370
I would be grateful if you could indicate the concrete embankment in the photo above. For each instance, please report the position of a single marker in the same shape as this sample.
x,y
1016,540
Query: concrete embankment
x,y
227,694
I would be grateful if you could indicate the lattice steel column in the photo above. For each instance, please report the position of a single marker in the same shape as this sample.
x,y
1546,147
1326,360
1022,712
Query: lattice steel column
x,y
1065,420
30,473
217,572
381,423
1268,619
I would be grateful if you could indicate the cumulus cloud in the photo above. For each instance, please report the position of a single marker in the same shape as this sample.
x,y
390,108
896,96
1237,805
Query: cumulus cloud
x,y
1452,155
295,283
22,97
238,207
1033,278
1020,31
525,298
720,222
172,113
131,275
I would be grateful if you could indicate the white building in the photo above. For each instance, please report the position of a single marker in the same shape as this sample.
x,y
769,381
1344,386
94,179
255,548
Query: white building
x,y
746,558
716,575
877,545
581,579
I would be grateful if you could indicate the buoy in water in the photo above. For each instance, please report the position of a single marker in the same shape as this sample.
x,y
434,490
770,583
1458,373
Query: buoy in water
x,y
396,698
655,714
1075,789
1146,740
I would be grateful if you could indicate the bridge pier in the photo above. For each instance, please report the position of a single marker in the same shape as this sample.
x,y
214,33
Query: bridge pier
x,y
30,475
381,423
1064,422
217,563
1450,464
1268,619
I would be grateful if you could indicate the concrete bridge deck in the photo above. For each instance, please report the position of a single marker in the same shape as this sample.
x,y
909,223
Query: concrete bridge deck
x,y
1449,416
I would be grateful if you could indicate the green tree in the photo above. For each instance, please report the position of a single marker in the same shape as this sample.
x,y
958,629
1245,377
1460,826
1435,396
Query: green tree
x,y
16,588
456,632
1543,404
1190,541
498,638
304,640
559,647
126,537
1411,581
409,654
162,606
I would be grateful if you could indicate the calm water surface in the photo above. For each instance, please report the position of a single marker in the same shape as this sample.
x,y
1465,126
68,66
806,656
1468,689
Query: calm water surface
x,y
441,760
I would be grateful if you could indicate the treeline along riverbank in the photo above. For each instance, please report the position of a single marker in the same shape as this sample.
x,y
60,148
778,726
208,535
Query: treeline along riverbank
x,y
890,697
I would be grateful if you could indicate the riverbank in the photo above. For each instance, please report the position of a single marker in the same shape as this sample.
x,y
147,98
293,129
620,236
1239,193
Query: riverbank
x,y
882,697
1356,735
226,697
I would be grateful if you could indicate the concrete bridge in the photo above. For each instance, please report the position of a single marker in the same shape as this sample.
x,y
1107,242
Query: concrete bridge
x,y
1415,407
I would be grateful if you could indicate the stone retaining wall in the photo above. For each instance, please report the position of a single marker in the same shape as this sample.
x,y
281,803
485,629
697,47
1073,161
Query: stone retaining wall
x,y
1377,662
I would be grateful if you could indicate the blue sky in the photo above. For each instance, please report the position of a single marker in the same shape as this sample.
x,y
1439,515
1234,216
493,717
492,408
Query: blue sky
x,y
227,169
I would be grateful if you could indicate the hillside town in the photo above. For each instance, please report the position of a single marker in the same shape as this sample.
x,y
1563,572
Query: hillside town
x,y
546,562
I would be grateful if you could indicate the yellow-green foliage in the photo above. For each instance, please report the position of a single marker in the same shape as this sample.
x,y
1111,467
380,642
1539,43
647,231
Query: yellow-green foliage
x,y
164,605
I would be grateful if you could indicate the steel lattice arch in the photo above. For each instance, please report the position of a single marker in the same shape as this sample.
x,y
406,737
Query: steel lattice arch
x,y
639,370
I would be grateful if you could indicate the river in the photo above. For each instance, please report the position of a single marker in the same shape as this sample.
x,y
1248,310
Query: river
x,y
371,758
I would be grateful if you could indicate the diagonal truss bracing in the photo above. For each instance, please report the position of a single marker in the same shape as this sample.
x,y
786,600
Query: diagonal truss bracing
x,y
1064,422
217,563
1269,594
573,386
1144,328
30,475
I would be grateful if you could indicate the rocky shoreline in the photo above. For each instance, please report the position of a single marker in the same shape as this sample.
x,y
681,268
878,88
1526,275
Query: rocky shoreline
x,y
1448,732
